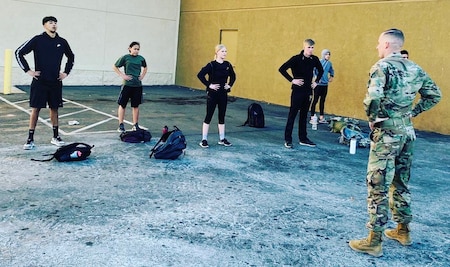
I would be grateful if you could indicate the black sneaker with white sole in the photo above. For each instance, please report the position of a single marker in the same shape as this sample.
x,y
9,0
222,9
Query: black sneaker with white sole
x,y
288,144
135,127
224,142
121,128
204,144
307,142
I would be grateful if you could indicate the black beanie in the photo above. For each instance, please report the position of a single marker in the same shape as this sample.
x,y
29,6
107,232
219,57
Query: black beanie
x,y
48,18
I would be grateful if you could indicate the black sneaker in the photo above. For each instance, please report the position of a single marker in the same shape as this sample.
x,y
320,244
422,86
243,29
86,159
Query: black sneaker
x,y
307,142
121,128
135,127
224,142
288,144
204,144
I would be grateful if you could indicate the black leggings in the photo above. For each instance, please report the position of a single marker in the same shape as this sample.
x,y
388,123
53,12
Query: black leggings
x,y
319,91
216,98
300,101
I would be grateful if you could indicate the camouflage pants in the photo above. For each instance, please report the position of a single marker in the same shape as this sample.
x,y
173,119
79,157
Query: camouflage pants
x,y
388,174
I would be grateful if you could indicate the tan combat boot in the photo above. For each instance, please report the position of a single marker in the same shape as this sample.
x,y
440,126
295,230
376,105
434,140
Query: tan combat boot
x,y
370,245
401,234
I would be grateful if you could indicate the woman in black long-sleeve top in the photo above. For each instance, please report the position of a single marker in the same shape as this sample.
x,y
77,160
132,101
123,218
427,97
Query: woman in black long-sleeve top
x,y
221,78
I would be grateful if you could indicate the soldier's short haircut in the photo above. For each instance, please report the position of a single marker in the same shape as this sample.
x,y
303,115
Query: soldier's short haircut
x,y
309,42
396,34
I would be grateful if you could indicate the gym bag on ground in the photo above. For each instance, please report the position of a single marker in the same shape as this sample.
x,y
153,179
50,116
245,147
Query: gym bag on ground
x,y
170,146
353,131
337,123
138,136
70,152
255,116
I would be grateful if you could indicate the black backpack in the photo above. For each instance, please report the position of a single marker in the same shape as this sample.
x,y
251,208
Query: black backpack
x,y
70,152
138,136
255,116
170,146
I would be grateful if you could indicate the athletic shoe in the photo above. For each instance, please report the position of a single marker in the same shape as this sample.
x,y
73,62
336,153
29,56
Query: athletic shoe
x,y
28,145
323,120
121,128
307,142
135,127
224,142
57,141
204,144
288,144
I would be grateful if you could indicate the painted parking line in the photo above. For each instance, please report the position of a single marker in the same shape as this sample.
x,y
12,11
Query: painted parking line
x,y
84,108
24,110
73,113
87,108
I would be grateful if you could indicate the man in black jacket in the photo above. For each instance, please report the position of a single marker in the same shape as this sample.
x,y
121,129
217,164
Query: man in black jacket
x,y
302,67
46,87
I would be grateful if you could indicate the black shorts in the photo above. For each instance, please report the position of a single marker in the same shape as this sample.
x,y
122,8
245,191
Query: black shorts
x,y
130,93
43,92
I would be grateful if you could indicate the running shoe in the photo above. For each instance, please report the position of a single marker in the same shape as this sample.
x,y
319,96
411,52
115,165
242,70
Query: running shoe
x,y
288,144
57,141
204,144
307,142
135,127
28,145
121,128
224,142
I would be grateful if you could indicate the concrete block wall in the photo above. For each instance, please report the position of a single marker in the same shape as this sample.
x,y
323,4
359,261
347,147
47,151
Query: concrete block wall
x,y
269,32
99,32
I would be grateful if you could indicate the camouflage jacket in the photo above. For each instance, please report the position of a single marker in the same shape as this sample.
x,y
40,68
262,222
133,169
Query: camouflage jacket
x,y
392,88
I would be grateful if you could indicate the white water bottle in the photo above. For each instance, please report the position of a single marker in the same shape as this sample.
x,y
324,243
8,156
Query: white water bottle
x,y
353,146
75,154
314,122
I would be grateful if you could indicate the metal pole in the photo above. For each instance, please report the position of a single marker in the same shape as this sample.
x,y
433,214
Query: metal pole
x,y
7,83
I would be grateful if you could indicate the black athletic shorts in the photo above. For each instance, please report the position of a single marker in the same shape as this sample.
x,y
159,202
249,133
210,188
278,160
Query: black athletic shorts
x,y
45,92
130,93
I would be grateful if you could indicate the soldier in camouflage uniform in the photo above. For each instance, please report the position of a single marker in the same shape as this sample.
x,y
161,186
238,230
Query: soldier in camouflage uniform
x,y
392,88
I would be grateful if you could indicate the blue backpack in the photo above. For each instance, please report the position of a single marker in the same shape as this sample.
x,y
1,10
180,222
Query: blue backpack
x,y
170,146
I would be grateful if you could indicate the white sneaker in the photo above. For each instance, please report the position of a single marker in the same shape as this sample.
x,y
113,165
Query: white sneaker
x,y
28,145
57,141
307,142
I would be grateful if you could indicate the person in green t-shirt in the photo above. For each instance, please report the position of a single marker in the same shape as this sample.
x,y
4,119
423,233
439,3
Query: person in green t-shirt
x,y
134,70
